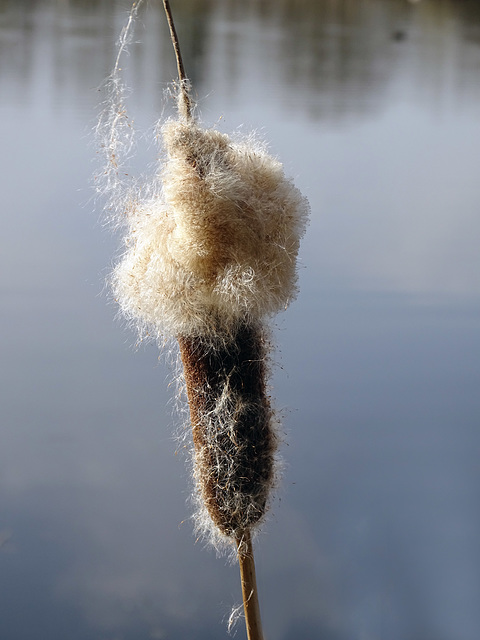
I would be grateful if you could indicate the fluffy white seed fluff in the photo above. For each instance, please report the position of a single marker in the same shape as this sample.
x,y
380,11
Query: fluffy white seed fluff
x,y
220,241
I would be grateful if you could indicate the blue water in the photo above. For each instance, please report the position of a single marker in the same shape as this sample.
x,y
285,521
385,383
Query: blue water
x,y
373,107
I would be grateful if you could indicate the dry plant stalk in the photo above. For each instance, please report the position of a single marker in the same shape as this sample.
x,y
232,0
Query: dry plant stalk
x,y
251,605
210,255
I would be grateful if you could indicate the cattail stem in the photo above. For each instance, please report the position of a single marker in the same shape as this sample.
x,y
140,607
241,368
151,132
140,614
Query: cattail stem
x,y
182,77
249,587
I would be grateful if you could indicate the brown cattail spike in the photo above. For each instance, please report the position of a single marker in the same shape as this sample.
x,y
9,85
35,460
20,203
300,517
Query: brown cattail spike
x,y
232,432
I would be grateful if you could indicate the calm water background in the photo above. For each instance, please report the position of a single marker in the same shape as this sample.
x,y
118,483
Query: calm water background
x,y
374,106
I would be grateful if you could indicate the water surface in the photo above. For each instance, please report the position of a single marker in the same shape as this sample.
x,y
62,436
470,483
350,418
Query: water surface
x,y
373,107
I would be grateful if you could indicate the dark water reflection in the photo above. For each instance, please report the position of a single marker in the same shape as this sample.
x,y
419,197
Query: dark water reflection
x,y
373,105
343,56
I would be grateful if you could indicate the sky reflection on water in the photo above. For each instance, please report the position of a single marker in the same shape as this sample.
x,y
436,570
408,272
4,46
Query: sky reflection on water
x,y
373,106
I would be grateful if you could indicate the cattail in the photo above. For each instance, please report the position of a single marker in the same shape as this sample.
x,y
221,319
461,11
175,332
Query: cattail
x,y
209,258
209,263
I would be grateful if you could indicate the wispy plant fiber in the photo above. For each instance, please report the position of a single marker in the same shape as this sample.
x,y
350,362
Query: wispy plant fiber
x,y
217,244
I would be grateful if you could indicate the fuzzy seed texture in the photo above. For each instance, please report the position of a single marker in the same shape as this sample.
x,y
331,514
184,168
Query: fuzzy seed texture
x,y
220,246
208,260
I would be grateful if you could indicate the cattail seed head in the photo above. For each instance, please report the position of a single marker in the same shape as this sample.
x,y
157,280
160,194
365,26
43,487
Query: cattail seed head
x,y
209,258
232,427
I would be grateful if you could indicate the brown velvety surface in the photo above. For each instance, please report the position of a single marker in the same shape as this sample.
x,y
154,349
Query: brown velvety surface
x,y
231,420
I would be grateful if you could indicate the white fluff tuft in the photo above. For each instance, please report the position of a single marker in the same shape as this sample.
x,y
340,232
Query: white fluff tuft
x,y
218,244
